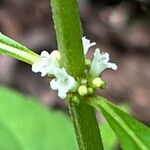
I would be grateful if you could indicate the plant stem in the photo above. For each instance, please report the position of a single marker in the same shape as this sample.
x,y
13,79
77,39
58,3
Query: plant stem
x,y
86,127
69,34
68,31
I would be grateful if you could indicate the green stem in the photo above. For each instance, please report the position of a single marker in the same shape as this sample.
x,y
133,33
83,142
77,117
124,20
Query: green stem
x,y
68,31
69,34
86,127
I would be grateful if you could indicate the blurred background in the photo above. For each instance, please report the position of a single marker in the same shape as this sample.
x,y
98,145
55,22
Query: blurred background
x,y
119,27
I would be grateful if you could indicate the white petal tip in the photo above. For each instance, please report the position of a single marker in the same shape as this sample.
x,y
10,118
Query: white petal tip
x,y
114,67
62,95
44,54
35,68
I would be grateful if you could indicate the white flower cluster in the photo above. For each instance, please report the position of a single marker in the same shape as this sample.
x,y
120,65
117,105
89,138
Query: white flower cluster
x,y
50,64
100,61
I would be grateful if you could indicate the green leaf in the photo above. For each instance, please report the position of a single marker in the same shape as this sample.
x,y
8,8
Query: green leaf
x,y
27,125
132,134
106,131
8,41
13,49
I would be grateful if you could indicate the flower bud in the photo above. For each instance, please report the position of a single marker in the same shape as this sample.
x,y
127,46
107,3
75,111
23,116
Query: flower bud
x,y
84,81
97,82
82,90
104,85
87,62
76,99
90,91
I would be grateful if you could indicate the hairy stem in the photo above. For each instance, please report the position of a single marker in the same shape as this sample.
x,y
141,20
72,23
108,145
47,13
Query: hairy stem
x,y
69,34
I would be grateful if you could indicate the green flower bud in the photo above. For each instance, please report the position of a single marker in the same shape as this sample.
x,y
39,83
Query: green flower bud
x,y
97,82
90,91
84,81
75,99
82,90
104,85
87,62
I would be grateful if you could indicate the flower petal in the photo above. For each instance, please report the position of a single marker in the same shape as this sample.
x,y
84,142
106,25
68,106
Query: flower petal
x,y
48,64
53,84
100,63
63,83
87,44
36,67
44,54
62,94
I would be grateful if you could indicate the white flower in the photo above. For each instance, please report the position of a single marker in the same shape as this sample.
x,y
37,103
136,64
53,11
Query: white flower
x,y
48,64
63,83
87,44
100,62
